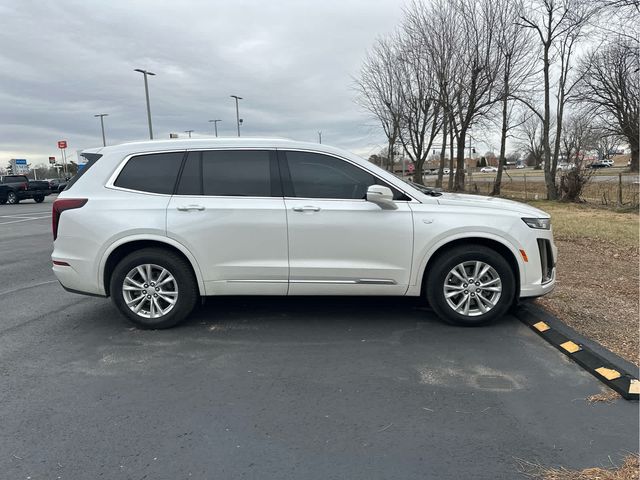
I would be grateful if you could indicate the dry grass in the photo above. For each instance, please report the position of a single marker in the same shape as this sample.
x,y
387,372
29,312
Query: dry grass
x,y
606,396
627,471
597,287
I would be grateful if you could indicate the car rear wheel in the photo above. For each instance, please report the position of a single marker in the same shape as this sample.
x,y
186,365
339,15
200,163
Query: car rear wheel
x,y
12,198
470,285
38,199
154,288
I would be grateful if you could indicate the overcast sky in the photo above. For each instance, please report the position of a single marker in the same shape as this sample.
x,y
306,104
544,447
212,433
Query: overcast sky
x,y
293,61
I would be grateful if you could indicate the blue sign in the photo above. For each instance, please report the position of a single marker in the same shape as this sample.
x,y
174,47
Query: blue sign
x,y
21,161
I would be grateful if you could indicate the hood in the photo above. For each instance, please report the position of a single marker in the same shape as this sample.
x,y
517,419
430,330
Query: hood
x,y
462,200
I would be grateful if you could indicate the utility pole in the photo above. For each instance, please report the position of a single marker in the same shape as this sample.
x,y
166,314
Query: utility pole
x,y
319,136
146,92
215,126
189,132
102,115
237,112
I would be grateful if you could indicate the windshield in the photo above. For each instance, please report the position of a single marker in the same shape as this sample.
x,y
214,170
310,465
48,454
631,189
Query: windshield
x,y
432,191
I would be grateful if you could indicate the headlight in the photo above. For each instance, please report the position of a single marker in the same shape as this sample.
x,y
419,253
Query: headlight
x,y
540,223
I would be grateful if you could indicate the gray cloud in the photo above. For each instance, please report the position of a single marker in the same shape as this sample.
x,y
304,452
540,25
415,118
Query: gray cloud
x,y
292,61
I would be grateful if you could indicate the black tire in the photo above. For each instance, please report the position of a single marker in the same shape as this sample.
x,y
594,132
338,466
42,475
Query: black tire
x,y
182,272
38,199
445,262
12,198
3,201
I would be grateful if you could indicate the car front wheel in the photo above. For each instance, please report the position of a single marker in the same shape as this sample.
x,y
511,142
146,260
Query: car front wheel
x,y
12,198
470,285
154,288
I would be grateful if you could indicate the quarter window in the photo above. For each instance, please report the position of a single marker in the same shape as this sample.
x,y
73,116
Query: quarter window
x,y
155,173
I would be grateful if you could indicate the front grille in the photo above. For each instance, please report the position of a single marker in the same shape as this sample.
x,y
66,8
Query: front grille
x,y
546,259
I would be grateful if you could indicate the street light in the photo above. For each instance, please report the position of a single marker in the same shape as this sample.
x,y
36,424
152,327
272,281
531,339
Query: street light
x,y
237,112
319,136
215,126
146,92
102,115
189,132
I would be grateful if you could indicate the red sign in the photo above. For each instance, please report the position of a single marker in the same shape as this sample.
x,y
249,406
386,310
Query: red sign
x,y
52,160
412,167
62,144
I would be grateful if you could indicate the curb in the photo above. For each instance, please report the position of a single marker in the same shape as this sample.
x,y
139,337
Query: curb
x,y
606,366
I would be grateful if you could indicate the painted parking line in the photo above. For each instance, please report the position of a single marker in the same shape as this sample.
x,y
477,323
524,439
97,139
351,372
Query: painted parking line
x,y
18,219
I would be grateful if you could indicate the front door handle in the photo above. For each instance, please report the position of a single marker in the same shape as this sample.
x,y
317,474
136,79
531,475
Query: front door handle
x,y
306,208
186,208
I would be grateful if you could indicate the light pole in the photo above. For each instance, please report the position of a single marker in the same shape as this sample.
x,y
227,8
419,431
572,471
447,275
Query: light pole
x,y
237,112
215,126
189,132
146,92
319,136
102,115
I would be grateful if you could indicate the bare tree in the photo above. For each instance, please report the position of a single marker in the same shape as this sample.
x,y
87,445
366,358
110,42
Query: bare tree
x,y
558,25
473,90
609,88
515,47
578,136
421,118
530,138
379,90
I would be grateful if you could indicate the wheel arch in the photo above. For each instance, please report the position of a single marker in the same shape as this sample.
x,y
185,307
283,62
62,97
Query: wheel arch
x,y
504,249
125,246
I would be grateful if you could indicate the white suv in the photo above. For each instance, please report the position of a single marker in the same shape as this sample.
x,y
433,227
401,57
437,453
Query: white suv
x,y
156,225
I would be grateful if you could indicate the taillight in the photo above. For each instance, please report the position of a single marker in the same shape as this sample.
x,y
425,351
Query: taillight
x,y
24,186
59,206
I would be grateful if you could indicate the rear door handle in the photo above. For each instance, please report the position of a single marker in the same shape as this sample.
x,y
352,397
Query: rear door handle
x,y
186,208
306,208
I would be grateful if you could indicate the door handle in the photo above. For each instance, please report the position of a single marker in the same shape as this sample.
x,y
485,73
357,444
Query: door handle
x,y
306,208
186,208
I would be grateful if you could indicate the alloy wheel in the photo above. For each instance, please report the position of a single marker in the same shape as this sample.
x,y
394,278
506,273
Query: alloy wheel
x,y
150,291
472,288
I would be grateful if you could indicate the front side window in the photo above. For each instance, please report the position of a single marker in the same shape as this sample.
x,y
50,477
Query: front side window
x,y
155,173
229,173
314,175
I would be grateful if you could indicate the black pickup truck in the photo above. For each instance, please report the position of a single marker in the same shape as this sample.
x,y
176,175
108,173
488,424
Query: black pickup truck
x,y
20,187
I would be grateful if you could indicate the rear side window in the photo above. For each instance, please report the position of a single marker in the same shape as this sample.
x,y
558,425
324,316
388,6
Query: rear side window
x,y
231,173
91,158
154,173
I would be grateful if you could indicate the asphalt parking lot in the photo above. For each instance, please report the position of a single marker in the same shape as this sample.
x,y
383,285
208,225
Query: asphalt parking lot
x,y
297,388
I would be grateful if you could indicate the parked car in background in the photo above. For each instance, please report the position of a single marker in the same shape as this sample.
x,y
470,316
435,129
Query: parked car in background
x,y
600,164
57,184
566,166
4,194
489,169
520,165
21,188
608,162
156,225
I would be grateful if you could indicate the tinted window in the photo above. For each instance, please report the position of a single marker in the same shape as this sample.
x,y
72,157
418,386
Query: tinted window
x,y
156,173
92,158
237,173
320,176
191,178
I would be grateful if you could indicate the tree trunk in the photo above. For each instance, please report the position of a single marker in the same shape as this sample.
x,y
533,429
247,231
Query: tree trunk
x,y
634,156
503,138
450,180
442,153
417,171
549,180
461,147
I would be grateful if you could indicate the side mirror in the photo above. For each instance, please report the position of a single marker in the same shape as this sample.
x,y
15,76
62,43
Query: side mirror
x,y
382,196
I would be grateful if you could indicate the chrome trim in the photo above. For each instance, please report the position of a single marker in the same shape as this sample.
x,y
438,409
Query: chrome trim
x,y
359,281
256,281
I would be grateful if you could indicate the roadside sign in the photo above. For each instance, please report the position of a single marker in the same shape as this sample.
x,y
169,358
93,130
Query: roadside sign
x,y
412,167
52,160
62,144
21,161
19,166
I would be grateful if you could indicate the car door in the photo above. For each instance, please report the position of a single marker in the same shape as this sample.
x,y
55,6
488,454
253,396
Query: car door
x,y
339,243
229,212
